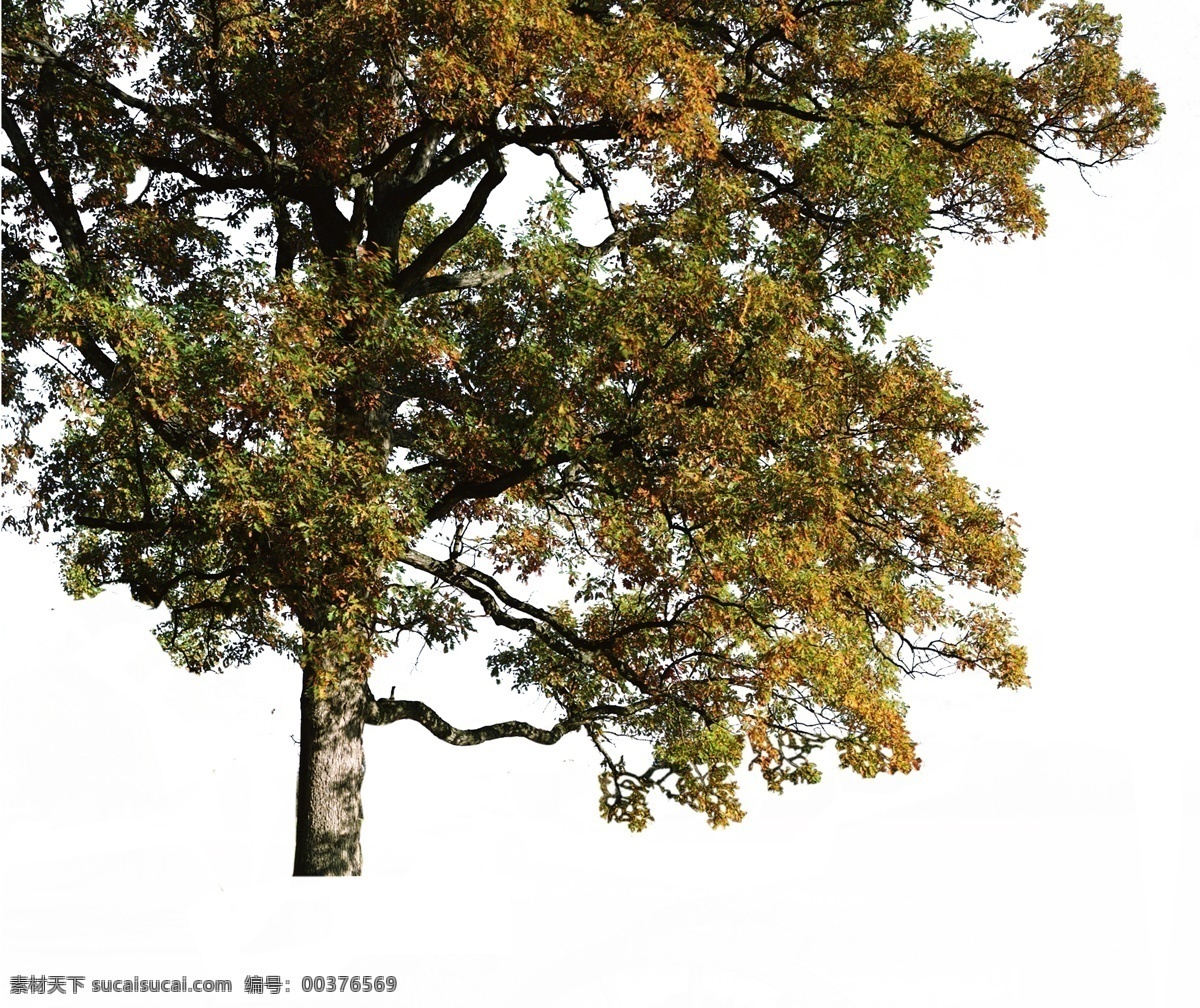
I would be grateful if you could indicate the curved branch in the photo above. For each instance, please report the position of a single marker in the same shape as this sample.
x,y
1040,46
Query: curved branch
x,y
500,605
381,712
432,254
497,603
476,489
732,100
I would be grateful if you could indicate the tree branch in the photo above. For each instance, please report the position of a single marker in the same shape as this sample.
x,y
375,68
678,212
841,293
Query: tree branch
x,y
109,525
427,133
500,605
47,55
67,224
458,281
475,489
381,712
497,603
432,254
65,219
728,98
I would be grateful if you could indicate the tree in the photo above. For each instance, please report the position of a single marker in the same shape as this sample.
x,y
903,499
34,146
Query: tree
x,y
712,510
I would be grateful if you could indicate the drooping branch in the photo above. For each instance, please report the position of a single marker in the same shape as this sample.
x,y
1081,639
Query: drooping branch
x,y
780,188
497,603
503,608
64,218
501,605
563,171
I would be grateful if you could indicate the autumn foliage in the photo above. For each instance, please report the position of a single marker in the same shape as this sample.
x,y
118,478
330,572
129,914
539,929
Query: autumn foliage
x,y
319,387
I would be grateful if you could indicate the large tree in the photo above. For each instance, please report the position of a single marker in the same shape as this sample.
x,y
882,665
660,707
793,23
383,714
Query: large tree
x,y
313,393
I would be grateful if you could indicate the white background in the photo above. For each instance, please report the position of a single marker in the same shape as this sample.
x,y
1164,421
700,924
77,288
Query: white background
x,y
1044,855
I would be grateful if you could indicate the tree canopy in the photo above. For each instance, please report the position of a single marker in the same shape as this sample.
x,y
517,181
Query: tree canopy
x,y
318,392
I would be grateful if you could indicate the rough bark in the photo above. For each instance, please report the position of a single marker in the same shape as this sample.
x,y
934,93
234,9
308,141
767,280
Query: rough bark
x,y
329,791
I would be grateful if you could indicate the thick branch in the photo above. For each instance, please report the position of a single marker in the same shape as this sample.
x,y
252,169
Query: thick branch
x,y
331,228
381,712
64,218
432,254
427,134
476,489
466,280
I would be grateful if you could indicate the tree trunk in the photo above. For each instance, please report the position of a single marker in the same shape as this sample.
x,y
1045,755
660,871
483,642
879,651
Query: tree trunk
x,y
329,792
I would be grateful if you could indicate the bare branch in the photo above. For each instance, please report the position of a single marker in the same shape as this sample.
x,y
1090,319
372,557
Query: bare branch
x,y
432,254
382,712
458,281
564,172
